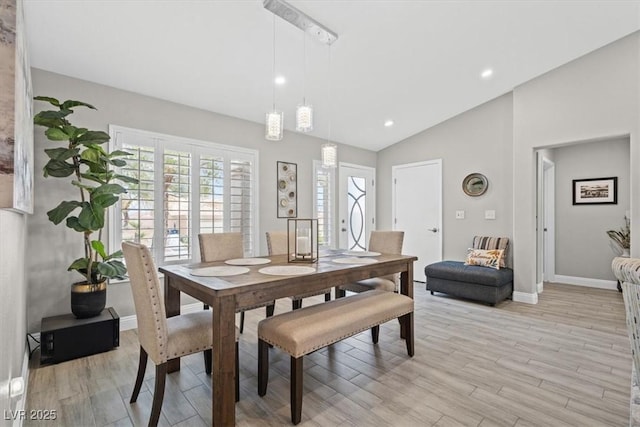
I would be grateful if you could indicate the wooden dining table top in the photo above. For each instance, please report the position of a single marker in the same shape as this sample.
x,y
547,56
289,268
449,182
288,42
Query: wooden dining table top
x,y
253,286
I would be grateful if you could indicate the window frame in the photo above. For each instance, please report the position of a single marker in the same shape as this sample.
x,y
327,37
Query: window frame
x,y
196,148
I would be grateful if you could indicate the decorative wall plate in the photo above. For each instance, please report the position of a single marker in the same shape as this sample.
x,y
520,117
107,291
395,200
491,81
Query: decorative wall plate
x,y
475,184
287,190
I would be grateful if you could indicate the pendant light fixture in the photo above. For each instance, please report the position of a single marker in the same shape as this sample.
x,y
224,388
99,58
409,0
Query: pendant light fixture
x,y
304,112
274,126
329,150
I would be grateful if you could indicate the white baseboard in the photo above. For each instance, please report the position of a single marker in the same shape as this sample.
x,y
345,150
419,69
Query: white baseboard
x,y
540,287
525,297
21,403
585,281
131,322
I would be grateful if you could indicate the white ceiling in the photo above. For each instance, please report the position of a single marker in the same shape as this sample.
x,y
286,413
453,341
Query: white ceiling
x,y
416,62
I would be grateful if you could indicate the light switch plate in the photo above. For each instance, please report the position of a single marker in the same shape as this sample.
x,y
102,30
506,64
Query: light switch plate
x,y
490,214
459,214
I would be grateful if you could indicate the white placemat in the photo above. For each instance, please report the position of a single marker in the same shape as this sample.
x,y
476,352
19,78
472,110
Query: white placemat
x,y
361,253
219,271
248,261
286,270
355,260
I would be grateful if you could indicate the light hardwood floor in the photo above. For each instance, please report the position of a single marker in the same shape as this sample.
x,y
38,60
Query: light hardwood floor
x,y
565,361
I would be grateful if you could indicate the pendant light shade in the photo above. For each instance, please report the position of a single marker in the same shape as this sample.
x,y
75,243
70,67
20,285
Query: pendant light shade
x,y
304,118
274,130
329,154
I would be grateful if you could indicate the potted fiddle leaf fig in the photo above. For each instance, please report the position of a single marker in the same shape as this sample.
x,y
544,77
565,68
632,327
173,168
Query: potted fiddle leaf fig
x,y
81,158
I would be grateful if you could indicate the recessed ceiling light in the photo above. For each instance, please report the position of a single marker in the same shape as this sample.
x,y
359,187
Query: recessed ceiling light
x,y
486,74
388,123
280,80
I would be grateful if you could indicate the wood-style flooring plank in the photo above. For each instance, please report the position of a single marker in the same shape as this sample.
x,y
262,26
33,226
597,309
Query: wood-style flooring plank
x,y
562,362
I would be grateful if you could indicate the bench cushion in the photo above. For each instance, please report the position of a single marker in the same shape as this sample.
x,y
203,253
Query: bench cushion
x,y
303,331
457,271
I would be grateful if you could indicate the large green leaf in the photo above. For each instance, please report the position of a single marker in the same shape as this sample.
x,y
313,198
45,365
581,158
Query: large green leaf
x,y
58,168
79,264
93,137
117,162
91,216
48,99
125,178
95,177
56,134
116,254
60,212
119,153
74,224
98,246
104,200
83,186
111,269
109,189
90,155
70,104
61,153
51,118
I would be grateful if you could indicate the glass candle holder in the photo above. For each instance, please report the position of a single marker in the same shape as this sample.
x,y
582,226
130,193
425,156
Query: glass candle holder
x,y
302,240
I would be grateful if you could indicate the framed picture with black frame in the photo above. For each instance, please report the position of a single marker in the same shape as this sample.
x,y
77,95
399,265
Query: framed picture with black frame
x,y
595,191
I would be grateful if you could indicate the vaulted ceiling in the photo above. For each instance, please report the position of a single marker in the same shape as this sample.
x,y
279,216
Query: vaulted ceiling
x,y
417,63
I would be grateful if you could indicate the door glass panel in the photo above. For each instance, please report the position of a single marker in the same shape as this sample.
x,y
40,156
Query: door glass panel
x,y
356,202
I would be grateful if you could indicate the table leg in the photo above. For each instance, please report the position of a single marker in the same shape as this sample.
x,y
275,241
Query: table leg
x,y
172,308
406,288
224,359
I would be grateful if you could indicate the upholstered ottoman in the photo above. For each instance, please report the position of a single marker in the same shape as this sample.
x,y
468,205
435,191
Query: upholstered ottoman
x,y
470,281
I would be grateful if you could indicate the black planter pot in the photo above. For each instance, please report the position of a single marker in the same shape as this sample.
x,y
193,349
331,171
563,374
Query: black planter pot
x,y
88,300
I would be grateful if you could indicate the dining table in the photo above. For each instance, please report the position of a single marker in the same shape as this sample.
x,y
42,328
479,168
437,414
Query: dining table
x,y
261,280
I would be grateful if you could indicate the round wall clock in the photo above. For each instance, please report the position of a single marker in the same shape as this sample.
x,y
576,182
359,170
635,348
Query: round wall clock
x,y
475,184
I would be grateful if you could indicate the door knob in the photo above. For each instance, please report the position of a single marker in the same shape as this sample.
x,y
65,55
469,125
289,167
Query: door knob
x,y
344,229
433,230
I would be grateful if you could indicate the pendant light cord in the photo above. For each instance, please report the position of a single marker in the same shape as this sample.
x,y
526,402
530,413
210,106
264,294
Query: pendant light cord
x,y
273,77
329,95
304,68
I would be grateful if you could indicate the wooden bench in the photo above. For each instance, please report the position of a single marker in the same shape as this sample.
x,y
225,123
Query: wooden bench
x,y
306,330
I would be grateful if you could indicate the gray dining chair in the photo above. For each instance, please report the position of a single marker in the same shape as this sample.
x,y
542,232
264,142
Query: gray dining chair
x,y
161,338
277,245
222,247
386,242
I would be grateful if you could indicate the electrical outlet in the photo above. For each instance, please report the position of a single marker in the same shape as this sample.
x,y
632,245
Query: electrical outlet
x,y
459,214
490,214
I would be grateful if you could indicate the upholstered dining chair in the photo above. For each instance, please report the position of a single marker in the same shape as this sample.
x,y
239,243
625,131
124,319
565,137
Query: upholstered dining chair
x,y
222,247
277,245
161,338
386,242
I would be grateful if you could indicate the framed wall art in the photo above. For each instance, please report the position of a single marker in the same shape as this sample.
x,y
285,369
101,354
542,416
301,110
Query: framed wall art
x,y
16,112
595,191
287,193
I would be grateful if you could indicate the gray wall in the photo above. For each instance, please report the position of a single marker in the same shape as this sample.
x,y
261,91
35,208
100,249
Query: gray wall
x,y
52,248
479,140
583,248
13,296
593,97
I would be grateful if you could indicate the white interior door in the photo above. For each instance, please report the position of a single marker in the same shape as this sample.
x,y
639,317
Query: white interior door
x,y
549,236
417,210
356,206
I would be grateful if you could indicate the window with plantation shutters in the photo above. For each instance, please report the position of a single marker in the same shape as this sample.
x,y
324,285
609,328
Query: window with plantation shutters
x,y
186,187
324,203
